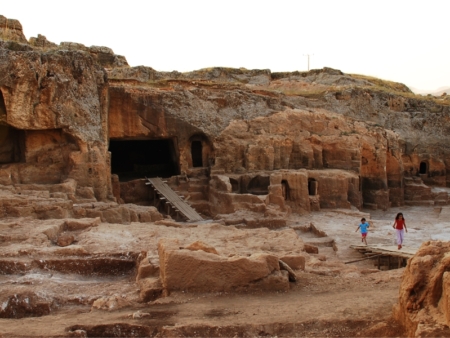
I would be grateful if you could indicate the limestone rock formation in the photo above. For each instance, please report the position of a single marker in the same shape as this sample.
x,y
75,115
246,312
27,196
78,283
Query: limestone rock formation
x,y
80,130
424,298
11,29
184,269
74,112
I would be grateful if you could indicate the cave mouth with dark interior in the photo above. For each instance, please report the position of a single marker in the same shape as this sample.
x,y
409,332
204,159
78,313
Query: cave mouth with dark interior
x,y
423,168
134,159
259,185
12,140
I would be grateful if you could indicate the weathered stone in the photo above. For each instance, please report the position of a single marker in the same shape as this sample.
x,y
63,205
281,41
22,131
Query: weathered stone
x,y
146,268
423,298
111,303
80,224
54,230
198,270
24,305
150,289
11,30
199,245
296,262
312,249
65,239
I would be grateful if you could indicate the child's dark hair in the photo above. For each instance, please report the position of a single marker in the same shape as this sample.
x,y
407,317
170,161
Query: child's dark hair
x,y
363,219
398,215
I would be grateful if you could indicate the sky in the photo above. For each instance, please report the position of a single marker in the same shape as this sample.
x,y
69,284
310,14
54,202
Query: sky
x,y
405,41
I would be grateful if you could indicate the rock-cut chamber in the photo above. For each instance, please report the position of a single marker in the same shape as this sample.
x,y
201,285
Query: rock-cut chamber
x,y
133,159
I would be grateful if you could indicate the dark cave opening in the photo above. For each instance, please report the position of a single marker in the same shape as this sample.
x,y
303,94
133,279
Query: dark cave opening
x,y
313,186
259,185
11,139
423,168
197,155
133,159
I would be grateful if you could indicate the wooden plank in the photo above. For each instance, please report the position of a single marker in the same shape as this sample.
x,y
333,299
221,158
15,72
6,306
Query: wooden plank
x,y
386,250
177,203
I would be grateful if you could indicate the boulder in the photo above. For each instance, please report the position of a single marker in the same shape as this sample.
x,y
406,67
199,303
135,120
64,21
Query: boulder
x,y
423,307
110,303
150,289
199,245
82,223
183,269
65,239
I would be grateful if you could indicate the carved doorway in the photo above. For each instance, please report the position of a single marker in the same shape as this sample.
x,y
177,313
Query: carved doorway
x,y
197,154
313,186
133,159
423,168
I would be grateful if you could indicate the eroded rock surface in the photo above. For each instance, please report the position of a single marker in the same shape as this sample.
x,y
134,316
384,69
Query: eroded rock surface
x,y
253,150
424,308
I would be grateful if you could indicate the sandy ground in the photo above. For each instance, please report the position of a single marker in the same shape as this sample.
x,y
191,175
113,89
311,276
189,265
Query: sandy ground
x,y
324,302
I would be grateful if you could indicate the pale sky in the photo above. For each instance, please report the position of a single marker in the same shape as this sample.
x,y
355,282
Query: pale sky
x,y
406,41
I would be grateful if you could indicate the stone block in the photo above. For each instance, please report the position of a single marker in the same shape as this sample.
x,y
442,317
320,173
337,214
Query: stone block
x,y
150,289
311,249
183,269
54,230
295,262
65,240
83,223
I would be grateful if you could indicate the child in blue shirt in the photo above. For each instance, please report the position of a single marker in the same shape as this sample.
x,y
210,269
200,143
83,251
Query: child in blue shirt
x,y
363,227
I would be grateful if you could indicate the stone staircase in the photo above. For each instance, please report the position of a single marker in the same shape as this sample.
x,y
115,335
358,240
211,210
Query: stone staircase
x,y
419,194
66,200
194,188
38,277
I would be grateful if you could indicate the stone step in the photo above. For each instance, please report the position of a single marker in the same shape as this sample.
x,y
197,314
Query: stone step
x,y
88,266
42,293
197,173
182,186
410,197
197,188
196,196
420,203
371,206
201,206
320,242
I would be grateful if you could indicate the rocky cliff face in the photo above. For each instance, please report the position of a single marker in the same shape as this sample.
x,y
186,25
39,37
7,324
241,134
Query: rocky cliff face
x,y
54,111
65,108
11,30
424,298
253,121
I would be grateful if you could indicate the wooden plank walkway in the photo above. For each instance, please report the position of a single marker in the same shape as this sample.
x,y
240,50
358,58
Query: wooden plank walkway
x,y
386,255
390,250
171,198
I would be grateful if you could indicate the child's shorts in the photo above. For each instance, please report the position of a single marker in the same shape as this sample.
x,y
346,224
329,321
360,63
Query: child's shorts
x,y
364,234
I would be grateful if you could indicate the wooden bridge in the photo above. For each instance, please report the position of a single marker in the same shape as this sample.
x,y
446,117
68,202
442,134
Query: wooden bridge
x,y
168,201
387,256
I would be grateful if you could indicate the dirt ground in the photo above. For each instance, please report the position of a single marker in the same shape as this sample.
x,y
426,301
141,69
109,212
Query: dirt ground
x,y
326,301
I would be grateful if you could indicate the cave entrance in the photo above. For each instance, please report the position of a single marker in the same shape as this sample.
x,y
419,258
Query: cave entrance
x,y
235,186
11,145
11,139
423,168
197,154
285,191
133,159
313,187
259,185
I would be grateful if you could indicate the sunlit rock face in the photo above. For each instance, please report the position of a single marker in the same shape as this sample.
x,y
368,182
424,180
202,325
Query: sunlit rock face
x,y
424,297
11,29
298,141
53,108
